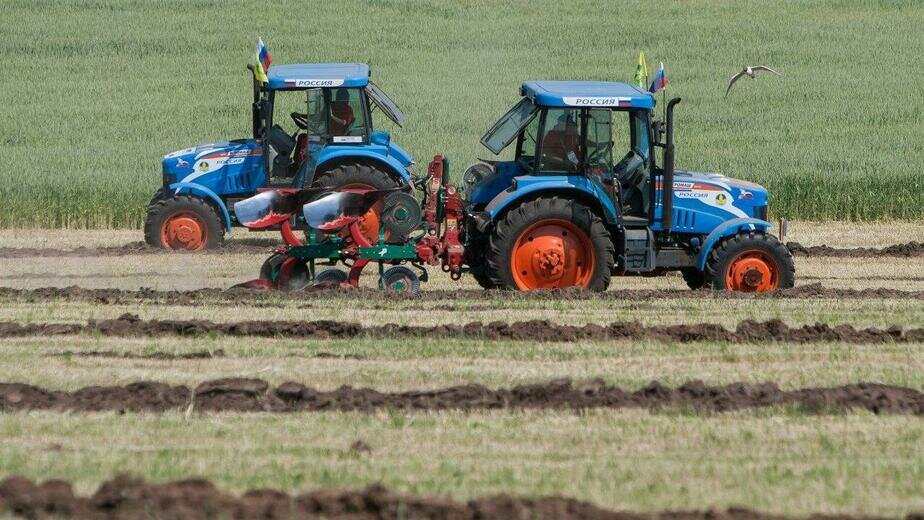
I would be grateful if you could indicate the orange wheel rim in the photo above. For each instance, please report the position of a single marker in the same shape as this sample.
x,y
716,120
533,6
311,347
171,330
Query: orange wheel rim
x,y
753,271
552,253
183,231
369,223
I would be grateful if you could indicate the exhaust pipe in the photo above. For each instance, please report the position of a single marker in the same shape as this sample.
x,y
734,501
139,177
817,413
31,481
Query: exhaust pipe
x,y
667,180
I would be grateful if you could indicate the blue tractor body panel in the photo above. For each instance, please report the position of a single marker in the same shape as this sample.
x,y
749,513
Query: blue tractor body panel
x,y
381,150
726,229
576,185
703,201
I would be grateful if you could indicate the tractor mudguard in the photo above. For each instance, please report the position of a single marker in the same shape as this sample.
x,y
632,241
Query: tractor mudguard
x,y
201,191
725,229
375,153
555,185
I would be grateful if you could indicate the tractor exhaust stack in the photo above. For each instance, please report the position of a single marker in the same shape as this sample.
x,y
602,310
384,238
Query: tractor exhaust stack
x,y
667,182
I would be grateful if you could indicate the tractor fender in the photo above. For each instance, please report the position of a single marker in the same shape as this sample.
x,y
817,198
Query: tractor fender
x,y
579,187
201,191
725,229
388,163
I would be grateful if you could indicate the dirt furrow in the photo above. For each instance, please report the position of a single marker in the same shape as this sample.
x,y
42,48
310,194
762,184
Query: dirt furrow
x,y
747,331
443,299
126,497
256,395
907,250
158,356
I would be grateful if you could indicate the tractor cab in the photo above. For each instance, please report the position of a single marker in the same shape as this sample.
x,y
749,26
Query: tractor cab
x,y
585,196
597,131
306,109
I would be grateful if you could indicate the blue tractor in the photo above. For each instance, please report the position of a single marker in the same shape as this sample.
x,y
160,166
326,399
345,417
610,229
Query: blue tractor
x,y
329,142
565,213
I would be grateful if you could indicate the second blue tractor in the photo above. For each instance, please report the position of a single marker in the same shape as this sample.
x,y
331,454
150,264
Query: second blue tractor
x,y
330,142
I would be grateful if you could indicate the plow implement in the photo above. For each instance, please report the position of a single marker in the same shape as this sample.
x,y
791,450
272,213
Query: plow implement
x,y
338,225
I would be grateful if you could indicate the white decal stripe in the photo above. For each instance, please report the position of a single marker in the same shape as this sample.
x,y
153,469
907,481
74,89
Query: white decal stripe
x,y
313,82
595,101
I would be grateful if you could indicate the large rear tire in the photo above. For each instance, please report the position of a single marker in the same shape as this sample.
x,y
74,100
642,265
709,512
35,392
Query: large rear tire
x,y
360,176
750,262
550,243
183,223
475,247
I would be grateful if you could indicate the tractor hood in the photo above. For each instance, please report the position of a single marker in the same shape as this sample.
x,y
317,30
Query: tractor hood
x,y
719,195
192,164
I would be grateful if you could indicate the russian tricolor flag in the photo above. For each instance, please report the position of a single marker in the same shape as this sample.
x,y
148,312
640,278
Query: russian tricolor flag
x,y
263,60
660,80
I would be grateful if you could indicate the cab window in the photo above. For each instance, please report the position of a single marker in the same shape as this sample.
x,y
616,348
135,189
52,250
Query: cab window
x,y
526,146
560,148
641,139
317,112
599,140
346,122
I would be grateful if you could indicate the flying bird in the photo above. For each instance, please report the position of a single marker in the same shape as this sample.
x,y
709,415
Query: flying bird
x,y
750,72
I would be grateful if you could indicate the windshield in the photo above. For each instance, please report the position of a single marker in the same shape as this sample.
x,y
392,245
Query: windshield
x,y
506,128
385,103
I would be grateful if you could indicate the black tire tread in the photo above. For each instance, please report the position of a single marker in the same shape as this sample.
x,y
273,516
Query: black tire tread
x,y
350,173
507,229
160,208
727,248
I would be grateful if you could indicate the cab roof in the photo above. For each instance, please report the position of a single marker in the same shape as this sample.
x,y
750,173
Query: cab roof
x,y
318,75
587,94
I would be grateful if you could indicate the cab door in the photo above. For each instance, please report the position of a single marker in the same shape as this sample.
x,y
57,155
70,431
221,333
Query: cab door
x,y
598,152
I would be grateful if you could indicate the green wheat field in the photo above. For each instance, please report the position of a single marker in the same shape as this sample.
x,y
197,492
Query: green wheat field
x,y
94,93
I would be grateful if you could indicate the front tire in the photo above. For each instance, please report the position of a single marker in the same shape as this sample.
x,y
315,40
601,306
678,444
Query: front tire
x,y
550,243
750,262
183,223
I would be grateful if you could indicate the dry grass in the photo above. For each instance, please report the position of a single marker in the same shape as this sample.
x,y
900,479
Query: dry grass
x,y
771,460
433,363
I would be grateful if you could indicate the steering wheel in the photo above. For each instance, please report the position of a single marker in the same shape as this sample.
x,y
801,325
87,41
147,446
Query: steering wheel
x,y
301,120
599,153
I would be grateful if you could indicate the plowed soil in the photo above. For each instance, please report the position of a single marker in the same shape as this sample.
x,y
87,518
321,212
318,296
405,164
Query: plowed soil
x,y
256,395
160,356
127,498
747,331
237,297
262,245
910,249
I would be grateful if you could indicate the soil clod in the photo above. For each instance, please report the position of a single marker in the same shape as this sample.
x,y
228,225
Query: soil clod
x,y
256,395
747,331
126,497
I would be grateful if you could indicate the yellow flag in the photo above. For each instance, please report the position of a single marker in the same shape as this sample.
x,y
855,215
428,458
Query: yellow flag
x,y
641,72
262,60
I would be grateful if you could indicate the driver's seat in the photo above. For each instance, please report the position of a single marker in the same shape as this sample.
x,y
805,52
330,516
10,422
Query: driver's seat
x,y
280,145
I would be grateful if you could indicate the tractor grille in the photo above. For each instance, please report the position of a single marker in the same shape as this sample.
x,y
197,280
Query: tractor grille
x,y
684,219
760,212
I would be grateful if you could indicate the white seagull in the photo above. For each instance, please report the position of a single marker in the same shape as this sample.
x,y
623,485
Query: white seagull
x,y
750,72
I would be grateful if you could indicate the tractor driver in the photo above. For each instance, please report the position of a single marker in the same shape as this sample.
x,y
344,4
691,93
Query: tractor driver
x,y
341,113
561,146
